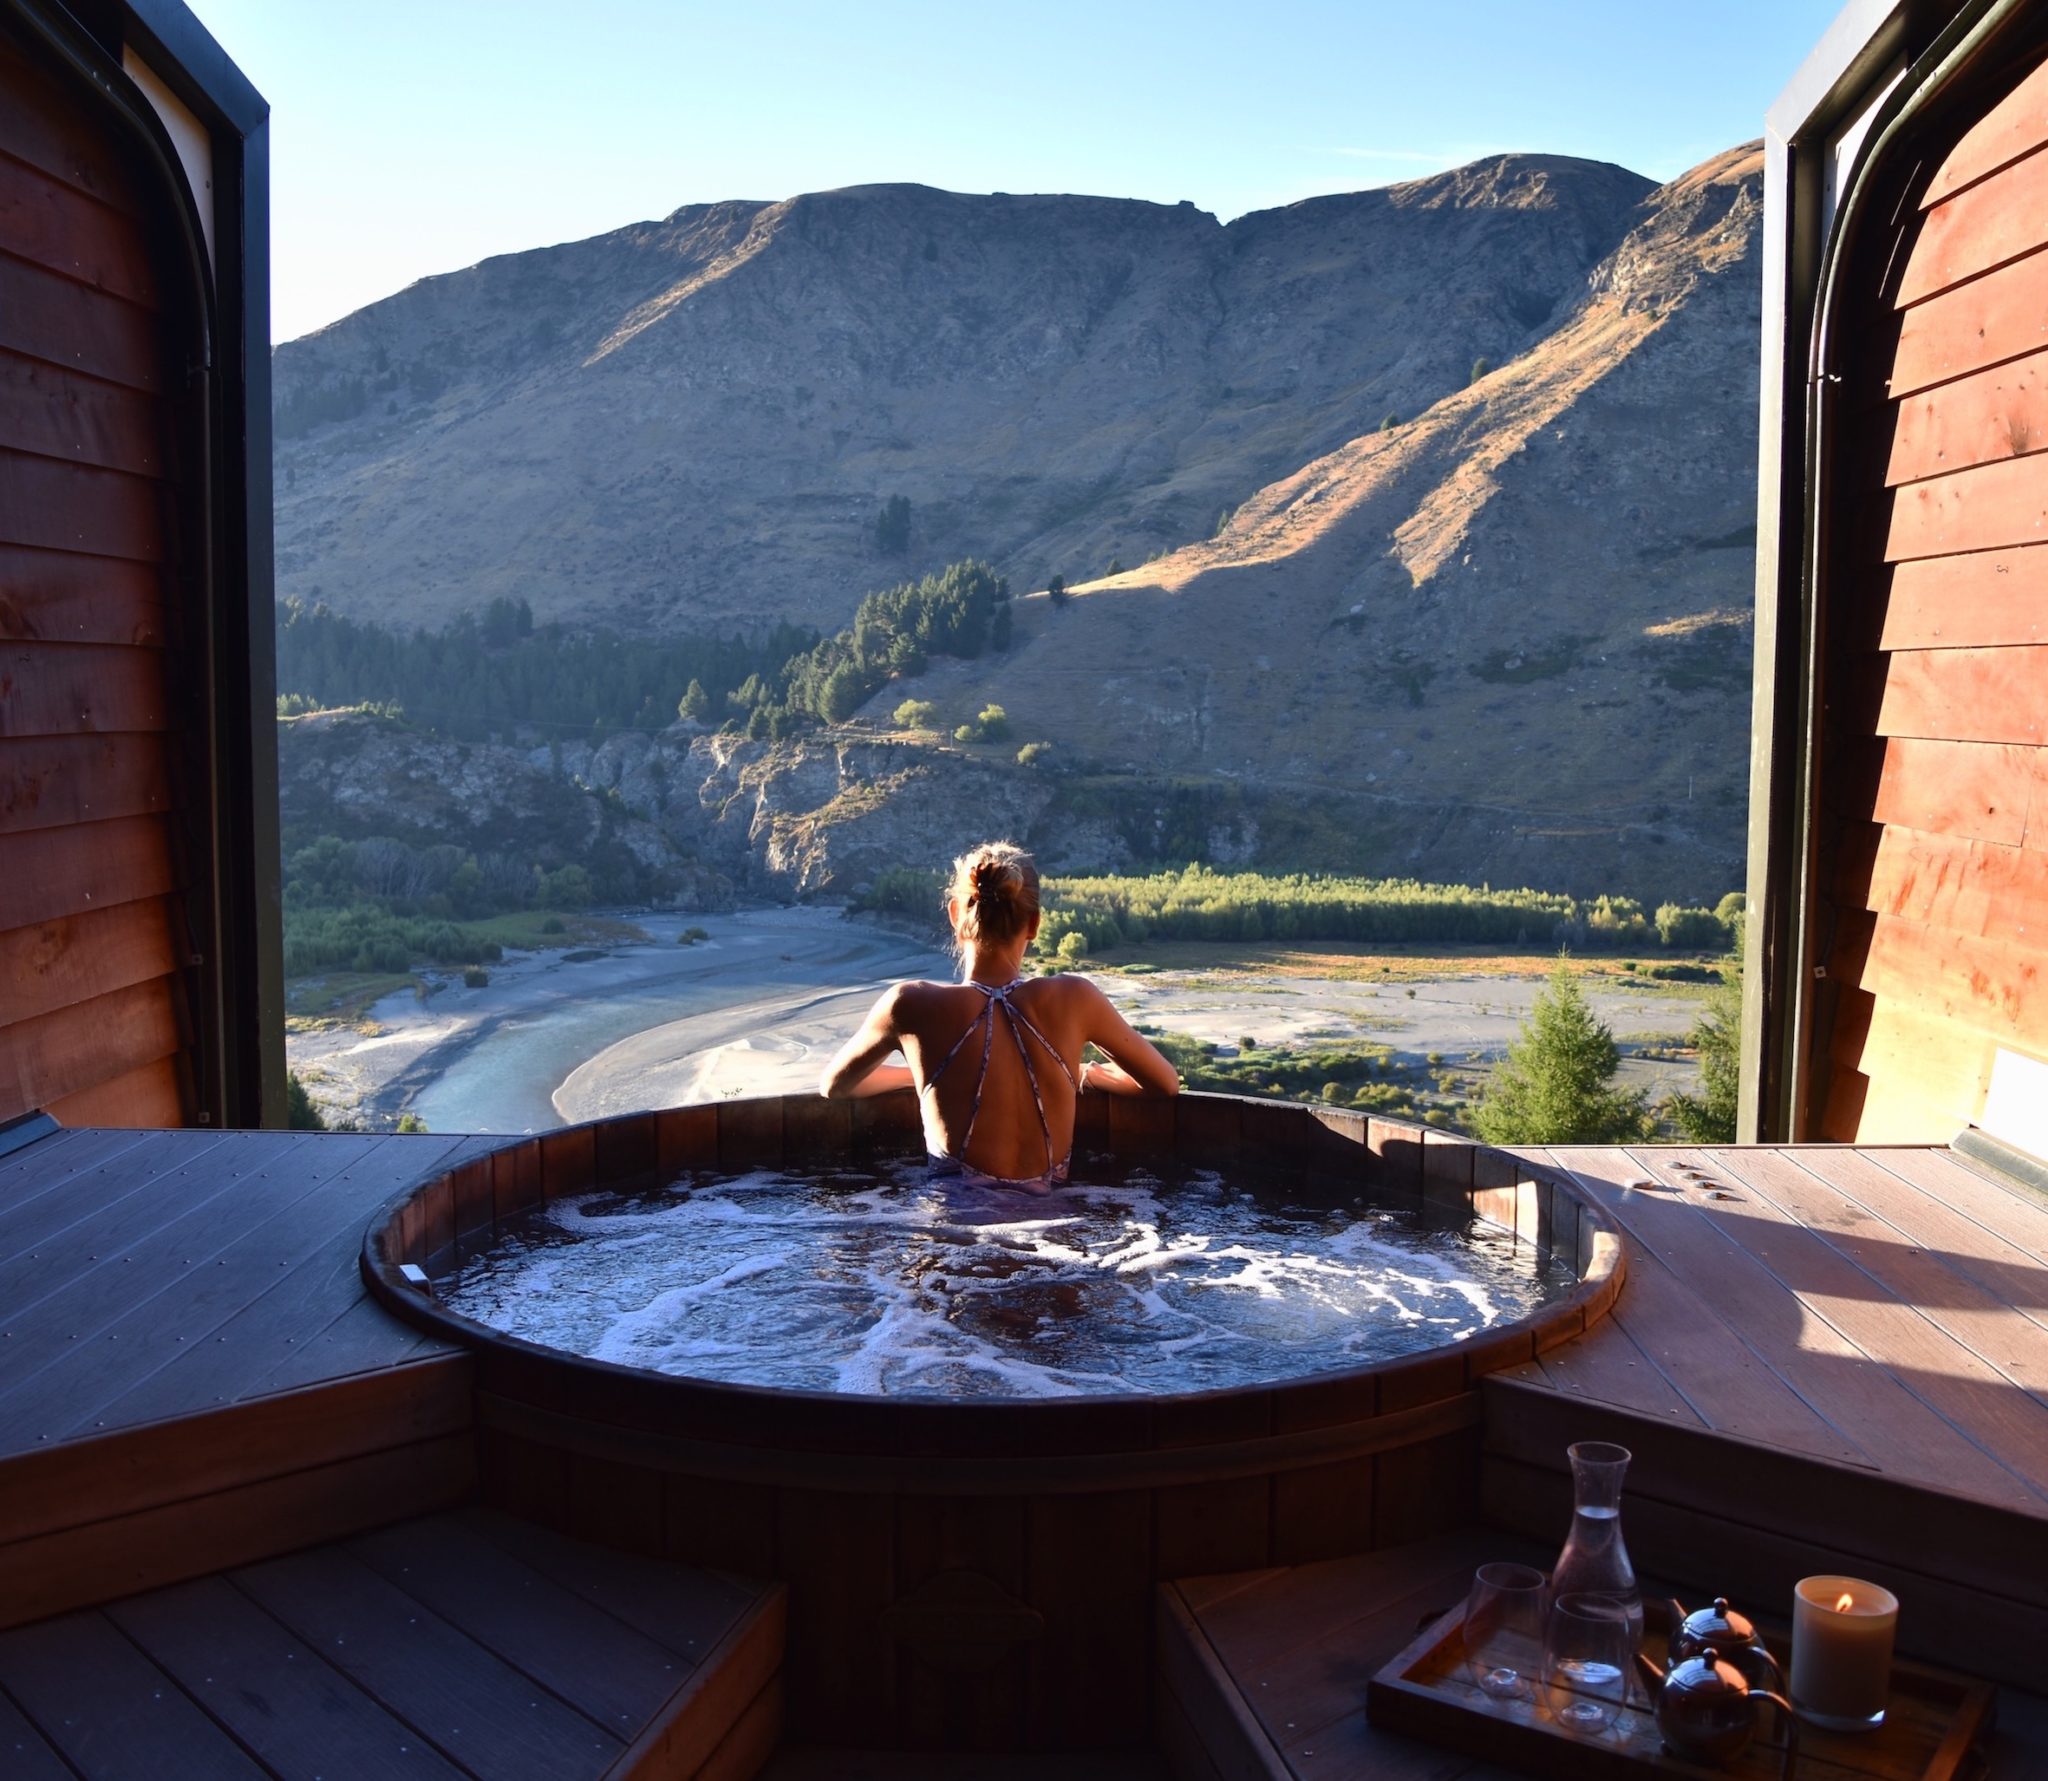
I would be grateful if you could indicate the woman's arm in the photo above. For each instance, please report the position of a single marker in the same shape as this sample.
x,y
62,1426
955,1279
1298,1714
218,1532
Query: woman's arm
x,y
859,1069
1137,1066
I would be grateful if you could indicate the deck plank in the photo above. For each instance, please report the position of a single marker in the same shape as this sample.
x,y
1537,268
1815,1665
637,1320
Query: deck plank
x,y
114,1715
684,1610
1709,1346
2006,1427
1957,1182
1809,1351
1983,1307
475,1708
147,1200
303,1274
615,1674
270,1688
1991,1257
118,1352
24,1753
1609,1366
80,1174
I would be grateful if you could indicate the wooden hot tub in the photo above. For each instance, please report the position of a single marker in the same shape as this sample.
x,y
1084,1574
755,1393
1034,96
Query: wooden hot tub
x,y
979,1574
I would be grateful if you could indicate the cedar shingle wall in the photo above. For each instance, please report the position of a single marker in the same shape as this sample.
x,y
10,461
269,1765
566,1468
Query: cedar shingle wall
x,y
1940,785
89,922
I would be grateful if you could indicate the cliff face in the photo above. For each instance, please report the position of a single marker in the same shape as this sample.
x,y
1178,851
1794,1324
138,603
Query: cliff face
x,y
1504,637
693,421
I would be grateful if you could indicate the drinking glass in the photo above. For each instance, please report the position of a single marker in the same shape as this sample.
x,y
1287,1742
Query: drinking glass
x,y
1504,1629
1588,1651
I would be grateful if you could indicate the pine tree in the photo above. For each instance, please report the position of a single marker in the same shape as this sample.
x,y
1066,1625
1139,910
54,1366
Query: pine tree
x,y
1556,1084
1709,1116
695,704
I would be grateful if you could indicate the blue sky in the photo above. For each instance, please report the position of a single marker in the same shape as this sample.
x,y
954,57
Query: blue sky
x,y
414,138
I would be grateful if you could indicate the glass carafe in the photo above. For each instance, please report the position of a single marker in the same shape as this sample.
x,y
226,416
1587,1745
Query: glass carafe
x,y
1595,1558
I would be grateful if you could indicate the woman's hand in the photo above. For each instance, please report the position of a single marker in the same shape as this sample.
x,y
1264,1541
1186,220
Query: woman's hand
x,y
1106,1078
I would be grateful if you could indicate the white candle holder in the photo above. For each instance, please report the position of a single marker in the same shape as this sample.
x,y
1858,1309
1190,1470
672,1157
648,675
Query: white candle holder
x,y
1842,1634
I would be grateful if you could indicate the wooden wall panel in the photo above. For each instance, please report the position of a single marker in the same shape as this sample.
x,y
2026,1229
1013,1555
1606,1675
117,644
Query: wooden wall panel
x,y
1981,508
1935,792
1979,419
53,781
1966,695
47,409
1969,602
2001,217
92,942
55,1055
2015,126
1979,791
56,872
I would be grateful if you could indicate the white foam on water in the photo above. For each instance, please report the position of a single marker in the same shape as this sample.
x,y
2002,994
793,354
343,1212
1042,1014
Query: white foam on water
x,y
893,1284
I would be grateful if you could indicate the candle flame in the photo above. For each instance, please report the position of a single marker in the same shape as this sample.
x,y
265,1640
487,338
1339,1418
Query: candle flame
x,y
1844,1602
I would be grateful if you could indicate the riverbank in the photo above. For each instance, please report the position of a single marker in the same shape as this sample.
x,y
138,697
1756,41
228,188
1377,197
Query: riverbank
x,y
758,1005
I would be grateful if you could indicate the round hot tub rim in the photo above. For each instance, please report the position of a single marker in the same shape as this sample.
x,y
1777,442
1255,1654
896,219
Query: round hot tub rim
x,y
947,1444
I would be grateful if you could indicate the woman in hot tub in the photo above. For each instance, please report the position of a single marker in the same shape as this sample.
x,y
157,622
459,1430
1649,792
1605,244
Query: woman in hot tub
x,y
996,1058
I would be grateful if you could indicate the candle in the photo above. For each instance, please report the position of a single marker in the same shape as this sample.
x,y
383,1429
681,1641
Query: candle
x,y
1842,1651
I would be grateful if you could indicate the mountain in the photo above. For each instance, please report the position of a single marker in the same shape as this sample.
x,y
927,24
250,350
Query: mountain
x,y
1461,626
695,421
1509,637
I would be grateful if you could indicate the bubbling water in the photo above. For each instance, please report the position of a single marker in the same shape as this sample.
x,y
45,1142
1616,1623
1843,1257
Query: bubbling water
x,y
888,1283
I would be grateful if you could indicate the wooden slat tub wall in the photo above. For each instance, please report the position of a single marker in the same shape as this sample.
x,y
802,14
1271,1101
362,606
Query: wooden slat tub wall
x,y
92,938
1934,796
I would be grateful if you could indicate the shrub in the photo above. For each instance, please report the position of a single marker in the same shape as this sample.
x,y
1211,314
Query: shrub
x,y
1690,928
1709,1116
1073,947
916,714
1389,421
566,887
476,977
299,1112
1032,753
1480,367
994,723
411,1125
967,733
690,936
553,925
1056,590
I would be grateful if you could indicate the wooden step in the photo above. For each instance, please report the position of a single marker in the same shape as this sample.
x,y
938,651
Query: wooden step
x,y
454,1645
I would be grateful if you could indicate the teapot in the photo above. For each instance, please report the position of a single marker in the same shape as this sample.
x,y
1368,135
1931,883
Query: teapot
x,y
1706,1709
1731,1634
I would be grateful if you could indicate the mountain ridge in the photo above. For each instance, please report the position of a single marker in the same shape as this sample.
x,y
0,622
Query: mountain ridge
x,y
1463,619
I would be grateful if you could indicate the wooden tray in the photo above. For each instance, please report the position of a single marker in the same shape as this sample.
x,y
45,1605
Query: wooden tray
x,y
1931,1731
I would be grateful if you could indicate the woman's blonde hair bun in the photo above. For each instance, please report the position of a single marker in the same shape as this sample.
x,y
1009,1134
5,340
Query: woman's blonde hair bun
x,y
995,888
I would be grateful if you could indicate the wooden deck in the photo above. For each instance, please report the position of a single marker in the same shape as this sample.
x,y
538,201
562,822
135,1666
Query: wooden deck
x,y
191,1373
1819,1353
453,1646
214,1446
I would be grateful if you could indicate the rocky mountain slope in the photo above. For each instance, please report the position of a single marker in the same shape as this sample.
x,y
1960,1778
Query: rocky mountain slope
x,y
694,421
1503,637
1510,636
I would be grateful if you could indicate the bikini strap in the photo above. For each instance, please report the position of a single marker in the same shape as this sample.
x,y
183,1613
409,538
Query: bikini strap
x,y
1019,1024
